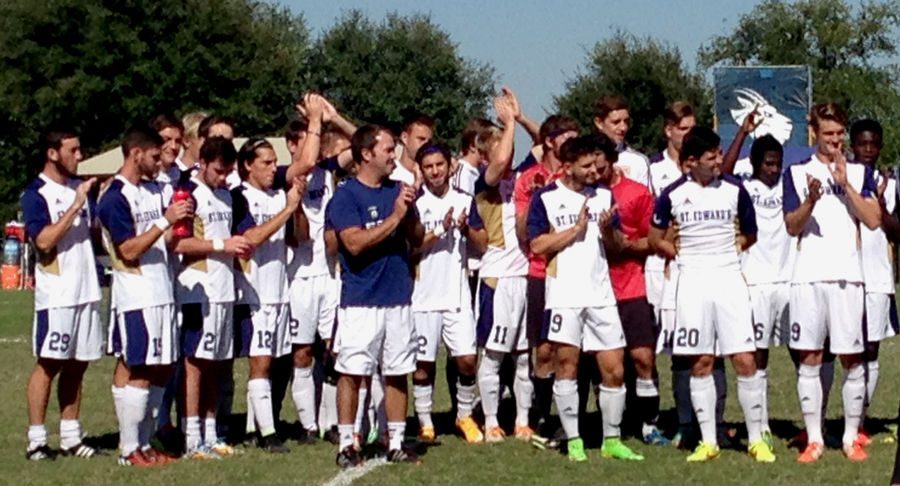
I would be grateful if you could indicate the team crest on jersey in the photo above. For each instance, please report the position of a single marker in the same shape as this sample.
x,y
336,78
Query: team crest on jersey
x,y
373,212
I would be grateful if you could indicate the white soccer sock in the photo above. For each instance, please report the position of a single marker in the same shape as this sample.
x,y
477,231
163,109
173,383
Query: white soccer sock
x,y
192,436
117,393
422,396
395,434
565,394
345,433
853,395
703,399
489,386
361,410
148,425
871,384
303,391
37,436
763,376
69,433
612,406
749,391
377,415
465,399
523,388
210,432
134,411
260,390
809,389
328,407
250,423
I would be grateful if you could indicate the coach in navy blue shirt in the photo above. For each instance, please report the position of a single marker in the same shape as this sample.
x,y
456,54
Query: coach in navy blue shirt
x,y
376,224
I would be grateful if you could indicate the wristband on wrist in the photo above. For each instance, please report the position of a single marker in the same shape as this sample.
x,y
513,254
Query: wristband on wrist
x,y
218,244
438,231
162,223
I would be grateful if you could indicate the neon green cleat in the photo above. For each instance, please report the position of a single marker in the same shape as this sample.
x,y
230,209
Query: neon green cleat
x,y
614,448
703,453
761,452
769,439
576,450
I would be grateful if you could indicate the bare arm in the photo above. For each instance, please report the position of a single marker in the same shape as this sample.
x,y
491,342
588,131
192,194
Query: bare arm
x,y
866,209
258,235
729,160
660,245
131,249
478,239
201,247
501,154
49,237
305,159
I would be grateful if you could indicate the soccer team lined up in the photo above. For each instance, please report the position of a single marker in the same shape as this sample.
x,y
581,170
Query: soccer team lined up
x,y
350,266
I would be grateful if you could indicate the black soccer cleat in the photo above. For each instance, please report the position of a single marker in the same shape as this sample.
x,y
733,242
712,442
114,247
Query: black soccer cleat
x,y
349,457
40,453
271,443
403,455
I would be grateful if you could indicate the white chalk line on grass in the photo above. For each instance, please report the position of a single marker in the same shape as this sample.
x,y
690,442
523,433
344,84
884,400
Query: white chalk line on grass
x,y
347,476
13,340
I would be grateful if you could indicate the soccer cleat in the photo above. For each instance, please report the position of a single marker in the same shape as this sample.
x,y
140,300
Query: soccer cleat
x,y
469,430
271,443
704,452
308,437
855,452
494,435
331,435
863,437
761,452
138,459
655,437
79,450
403,455
812,453
40,453
157,457
349,457
223,449
202,453
523,432
427,435
769,439
614,448
576,450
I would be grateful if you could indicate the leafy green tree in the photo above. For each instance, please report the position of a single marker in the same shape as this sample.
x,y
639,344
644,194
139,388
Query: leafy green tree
x,y
848,49
648,73
382,72
99,65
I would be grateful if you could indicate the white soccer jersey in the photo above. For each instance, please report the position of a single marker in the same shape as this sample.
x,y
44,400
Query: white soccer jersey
x,y
770,259
65,276
309,258
127,210
208,278
828,246
707,220
441,272
577,276
402,174
877,252
634,165
663,172
743,169
495,211
262,278
465,177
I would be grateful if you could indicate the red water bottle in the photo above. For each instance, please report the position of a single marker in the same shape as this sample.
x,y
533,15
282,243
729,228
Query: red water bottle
x,y
182,228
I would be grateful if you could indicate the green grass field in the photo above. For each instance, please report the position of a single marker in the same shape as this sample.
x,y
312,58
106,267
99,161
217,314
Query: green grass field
x,y
452,462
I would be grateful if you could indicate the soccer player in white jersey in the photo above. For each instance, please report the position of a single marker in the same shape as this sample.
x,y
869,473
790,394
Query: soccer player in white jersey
x,y
877,257
66,331
376,224
768,263
471,162
504,266
572,222
172,132
136,227
260,213
714,219
613,119
204,292
441,305
825,201
418,129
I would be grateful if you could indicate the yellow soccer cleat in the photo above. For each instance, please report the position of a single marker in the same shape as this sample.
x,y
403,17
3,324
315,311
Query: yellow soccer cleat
x,y
427,435
469,430
761,451
703,453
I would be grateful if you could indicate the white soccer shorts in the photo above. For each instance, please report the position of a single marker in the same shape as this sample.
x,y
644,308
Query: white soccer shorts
x,y
827,309
456,328
66,333
314,302
771,316
670,287
508,329
149,336
666,340
713,315
588,328
878,317
263,330
653,280
367,337
207,330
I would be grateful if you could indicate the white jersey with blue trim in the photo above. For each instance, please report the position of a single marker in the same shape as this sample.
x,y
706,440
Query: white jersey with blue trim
x,y
707,220
877,252
495,211
262,278
771,258
635,166
207,278
577,276
828,247
309,258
